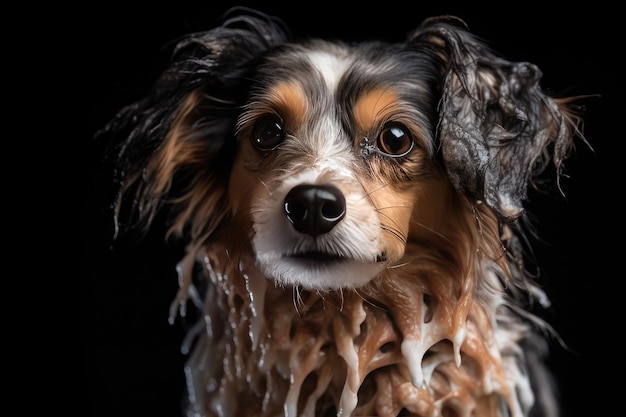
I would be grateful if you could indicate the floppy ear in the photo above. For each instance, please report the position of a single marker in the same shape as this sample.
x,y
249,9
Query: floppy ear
x,y
497,129
177,142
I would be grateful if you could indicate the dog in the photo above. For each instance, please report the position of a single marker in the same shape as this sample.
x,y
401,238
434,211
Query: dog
x,y
357,241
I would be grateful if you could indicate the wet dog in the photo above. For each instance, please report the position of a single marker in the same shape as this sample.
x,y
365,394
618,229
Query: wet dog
x,y
354,219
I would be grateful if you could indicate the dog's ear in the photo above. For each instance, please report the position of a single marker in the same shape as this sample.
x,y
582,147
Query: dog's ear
x,y
181,135
497,128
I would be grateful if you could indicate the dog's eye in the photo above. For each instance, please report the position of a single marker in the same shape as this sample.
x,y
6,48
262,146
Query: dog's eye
x,y
267,133
395,140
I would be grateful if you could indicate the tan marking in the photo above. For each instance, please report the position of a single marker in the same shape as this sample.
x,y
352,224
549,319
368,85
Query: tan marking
x,y
290,102
244,186
373,106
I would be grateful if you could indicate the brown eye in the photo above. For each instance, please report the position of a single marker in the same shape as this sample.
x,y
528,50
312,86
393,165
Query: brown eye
x,y
267,133
395,140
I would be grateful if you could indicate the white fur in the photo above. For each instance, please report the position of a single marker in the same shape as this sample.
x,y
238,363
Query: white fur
x,y
357,238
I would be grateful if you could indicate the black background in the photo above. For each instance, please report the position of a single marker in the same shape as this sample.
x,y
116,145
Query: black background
x,y
132,360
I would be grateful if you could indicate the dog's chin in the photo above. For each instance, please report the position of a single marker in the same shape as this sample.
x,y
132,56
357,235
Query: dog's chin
x,y
319,271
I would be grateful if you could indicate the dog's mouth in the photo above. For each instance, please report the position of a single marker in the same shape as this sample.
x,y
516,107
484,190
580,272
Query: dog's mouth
x,y
318,257
317,269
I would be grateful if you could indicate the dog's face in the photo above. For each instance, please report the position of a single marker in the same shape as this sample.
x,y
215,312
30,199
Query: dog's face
x,y
335,153
327,158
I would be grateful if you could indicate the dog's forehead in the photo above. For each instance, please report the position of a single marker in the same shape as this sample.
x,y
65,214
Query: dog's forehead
x,y
347,70
329,65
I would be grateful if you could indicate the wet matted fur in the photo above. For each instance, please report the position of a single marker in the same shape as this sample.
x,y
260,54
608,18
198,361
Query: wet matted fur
x,y
354,219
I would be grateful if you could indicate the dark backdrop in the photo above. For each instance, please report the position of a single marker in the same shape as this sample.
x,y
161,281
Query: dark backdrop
x,y
132,360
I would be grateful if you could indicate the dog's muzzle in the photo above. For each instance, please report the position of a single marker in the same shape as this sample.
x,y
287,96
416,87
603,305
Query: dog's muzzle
x,y
315,209
317,239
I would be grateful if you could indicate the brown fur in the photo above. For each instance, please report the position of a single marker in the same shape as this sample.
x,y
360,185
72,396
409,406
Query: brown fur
x,y
443,328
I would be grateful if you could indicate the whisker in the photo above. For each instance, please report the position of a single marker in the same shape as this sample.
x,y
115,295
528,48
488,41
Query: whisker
x,y
341,299
395,233
264,184
298,303
433,231
398,265
368,302
368,193
382,213
405,206
394,228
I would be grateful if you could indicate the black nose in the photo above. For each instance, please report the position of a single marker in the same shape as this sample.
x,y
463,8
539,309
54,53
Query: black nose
x,y
315,209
